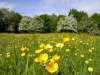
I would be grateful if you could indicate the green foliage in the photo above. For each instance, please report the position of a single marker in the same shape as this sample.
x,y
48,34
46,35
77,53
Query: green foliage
x,y
9,20
47,22
87,26
78,14
67,24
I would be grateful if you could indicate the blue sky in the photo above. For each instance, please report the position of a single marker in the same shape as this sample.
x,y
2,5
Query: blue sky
x,y
38,7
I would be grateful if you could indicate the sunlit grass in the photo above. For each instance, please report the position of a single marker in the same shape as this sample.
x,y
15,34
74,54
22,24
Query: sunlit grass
x,y
46,54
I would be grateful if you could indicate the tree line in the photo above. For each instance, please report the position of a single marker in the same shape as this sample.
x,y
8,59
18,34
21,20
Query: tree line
x,y
75,21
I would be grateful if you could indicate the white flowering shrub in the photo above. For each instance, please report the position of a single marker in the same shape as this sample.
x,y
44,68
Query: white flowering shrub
x,y
36,24
29,24
24,25
69,23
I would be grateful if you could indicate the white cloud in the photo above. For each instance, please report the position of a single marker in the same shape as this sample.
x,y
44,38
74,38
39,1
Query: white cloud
x,y
90,6
8,5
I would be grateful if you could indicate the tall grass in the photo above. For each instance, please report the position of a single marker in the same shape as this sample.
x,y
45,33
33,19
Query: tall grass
x,y
71,61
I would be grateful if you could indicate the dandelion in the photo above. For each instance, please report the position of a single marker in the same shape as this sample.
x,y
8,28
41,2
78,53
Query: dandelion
x,y
23,54
90,69
90,50
42,46
75,54
38,51
51,67
66,40
43,58
24,49
56,58
90,60
67,50
8,54
48,47
36,60
82,55
59,45
86,62
0,54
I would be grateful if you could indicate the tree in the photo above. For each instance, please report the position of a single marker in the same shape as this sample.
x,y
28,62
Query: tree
x,y
78,14
36,24
87,26
9,20
24,25
29,24
69,23
47,22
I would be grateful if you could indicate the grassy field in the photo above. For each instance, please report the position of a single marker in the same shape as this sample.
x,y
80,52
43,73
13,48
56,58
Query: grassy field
x,y
49,54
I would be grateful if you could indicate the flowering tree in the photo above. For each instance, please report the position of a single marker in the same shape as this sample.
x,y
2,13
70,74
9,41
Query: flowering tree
x,y
69,23
36,24
29,24
24,25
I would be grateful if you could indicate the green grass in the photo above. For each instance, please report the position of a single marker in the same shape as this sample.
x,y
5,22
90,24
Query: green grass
x,y
69,63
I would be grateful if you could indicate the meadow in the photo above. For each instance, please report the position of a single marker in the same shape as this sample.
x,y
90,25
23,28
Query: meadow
x,y
49,54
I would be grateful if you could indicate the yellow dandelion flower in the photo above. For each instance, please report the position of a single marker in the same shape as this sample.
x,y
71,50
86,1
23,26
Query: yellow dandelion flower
x,y
75,54
82,55
24,49
23,54
42,46
8,55
86,62
56,58
38,51
51,67
66,40
59,45
90,50
36,60
48,46
90,60
90,69
67,50
0,54
43,58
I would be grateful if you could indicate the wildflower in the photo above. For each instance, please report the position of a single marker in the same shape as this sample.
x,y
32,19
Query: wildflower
x,y
82,55
90,59
42,46
8,54
90,50
36,60
48,47
38,51
90,69
24,49
51,67
59,45
75,54
86,62
29,55
23,54
0,54
67,50
43,58
66,40
56,58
